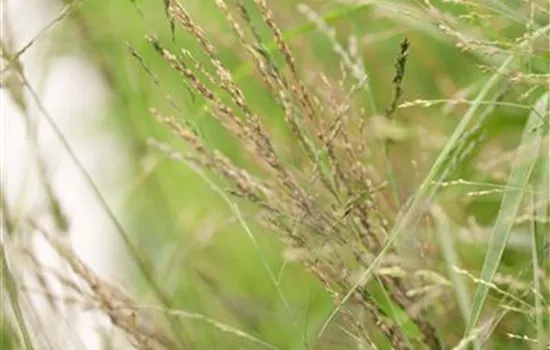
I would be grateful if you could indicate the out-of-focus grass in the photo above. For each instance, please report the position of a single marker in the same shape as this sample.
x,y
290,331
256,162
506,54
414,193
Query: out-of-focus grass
x,y
203,257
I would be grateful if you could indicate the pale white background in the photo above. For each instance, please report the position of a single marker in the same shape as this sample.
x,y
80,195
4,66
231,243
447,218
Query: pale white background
x,y
74,93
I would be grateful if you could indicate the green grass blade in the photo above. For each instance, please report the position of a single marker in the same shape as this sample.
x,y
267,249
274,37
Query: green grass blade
x,y
539,238
541,334
521,172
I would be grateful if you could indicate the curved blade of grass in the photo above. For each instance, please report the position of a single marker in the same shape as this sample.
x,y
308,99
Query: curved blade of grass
x,y
539,236
521,172
541,334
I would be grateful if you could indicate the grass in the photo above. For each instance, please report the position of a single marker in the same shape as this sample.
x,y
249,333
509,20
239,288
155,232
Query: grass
x,y
284,208
518,181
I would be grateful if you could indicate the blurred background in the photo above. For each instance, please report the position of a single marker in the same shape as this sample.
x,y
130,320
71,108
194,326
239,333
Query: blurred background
x,y
97,77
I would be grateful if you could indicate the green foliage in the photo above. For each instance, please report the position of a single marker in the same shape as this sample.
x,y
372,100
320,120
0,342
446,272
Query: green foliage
x,y
469,92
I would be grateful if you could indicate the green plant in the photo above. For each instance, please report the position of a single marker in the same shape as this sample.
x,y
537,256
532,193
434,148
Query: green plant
x,y
401,188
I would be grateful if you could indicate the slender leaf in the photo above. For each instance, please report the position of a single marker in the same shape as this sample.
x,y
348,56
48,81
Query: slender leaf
x,y
517,184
